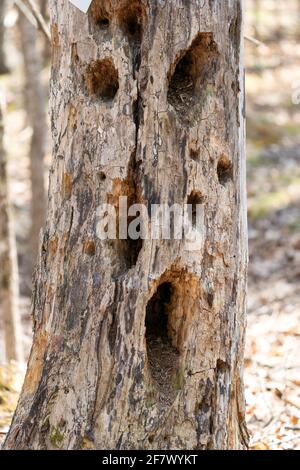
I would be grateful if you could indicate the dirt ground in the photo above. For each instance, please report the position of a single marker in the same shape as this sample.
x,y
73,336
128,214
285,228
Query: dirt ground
x,y
272,360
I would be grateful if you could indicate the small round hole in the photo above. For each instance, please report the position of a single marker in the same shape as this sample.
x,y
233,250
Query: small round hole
x,y
195,154
224,170
102,176
191,75
89,248
103,23
131,20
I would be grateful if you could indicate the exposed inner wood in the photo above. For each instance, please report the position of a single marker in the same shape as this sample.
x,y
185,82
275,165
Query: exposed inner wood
x,y
195,198
102,79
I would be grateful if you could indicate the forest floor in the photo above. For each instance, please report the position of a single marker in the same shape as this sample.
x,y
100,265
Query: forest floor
x,y
272,360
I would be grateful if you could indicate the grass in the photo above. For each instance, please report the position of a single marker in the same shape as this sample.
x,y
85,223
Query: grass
x,y
264,203
261,204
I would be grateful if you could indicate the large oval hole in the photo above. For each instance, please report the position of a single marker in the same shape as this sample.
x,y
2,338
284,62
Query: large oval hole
x,y
132,18
170,315
192,78
163,356
224,170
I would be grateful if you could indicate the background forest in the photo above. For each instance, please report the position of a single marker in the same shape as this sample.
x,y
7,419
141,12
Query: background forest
x,y
272,58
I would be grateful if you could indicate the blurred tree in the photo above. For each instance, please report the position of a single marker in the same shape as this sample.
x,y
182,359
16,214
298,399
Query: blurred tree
x,y
257,18
35,102
3,66
9,289
44,8
139,344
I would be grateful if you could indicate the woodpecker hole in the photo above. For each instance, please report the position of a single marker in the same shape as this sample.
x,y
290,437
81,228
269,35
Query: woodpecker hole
x,y
102,80
169,314
99,15
131,20
89,248
194,199
103,23
191,78
195,154
224,170
102,176
163,356
127,250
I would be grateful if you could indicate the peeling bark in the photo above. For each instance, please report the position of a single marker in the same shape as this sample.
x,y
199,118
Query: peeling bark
x,y
147,101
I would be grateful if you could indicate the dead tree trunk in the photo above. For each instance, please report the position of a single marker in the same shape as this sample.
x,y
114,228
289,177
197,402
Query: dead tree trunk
x,y
9,290
3,66
140,345
35,106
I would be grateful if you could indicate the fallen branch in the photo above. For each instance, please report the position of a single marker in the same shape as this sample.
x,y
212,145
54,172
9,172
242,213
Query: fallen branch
x,y
254,41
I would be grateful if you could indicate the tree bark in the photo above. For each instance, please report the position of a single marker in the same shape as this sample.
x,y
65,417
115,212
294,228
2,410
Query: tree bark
x,y
9,288
3,67
140,345
35,107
